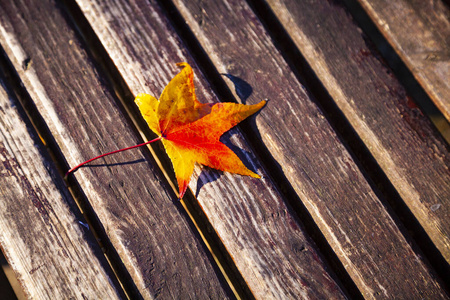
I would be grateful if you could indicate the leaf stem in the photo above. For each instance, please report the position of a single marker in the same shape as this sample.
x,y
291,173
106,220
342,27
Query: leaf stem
x,y
109,153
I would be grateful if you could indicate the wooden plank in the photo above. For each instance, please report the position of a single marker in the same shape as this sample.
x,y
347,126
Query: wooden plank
x,y
42,231
319,168
378,108
139,214
266,242
418,31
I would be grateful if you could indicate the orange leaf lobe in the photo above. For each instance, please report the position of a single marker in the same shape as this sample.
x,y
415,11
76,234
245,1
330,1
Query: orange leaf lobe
x,y
191,130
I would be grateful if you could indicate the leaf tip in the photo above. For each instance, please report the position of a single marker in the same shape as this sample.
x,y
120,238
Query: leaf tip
x,y
182,187
254,175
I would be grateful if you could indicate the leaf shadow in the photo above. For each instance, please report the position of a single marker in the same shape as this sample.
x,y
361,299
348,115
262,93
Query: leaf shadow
x,y
113,164
243,88
209,175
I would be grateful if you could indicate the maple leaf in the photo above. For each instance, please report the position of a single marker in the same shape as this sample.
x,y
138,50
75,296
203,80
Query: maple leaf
x,y
190,130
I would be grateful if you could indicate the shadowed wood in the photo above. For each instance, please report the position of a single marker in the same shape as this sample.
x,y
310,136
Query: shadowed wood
x,y
9,285
403,141
355,222
269,248
42,234
138,212
419,32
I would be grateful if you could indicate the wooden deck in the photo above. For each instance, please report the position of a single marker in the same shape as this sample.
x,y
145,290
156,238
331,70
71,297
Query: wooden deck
x,y
354,200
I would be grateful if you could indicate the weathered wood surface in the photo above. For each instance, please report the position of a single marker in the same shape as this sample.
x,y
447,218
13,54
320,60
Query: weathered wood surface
x,y
155,249
323,174
269,248
51,251
419,32
138,212
404,143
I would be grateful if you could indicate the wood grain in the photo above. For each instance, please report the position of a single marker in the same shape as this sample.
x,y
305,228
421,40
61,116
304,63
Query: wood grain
x,y
418,31
42,234
323,174
139,213
378,108
264,239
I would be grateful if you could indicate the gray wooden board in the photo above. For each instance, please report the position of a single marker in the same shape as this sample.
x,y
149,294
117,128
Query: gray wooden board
x,y
138,211
42,235
355,222
419,32
269,248
403,141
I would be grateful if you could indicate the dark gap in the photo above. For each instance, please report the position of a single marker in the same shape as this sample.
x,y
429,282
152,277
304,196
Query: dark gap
x,y
6,289
269,163
104,63
51,151
399,211
197,52
400,70
217,247
120,271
